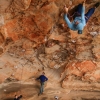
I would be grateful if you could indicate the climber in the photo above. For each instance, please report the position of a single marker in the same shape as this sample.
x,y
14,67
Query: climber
x,y
17,97
42,79
80,19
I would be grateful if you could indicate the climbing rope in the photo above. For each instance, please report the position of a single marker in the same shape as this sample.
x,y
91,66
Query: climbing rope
x,y
72,15
23,65
22,74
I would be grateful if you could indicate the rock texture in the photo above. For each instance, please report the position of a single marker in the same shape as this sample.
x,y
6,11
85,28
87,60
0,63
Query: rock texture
x,y
35,38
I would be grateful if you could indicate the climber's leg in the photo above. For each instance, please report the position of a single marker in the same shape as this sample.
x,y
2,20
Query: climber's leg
x,y
41,88
89,13
78,11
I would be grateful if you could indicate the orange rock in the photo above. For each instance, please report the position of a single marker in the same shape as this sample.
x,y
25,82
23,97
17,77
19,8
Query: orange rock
x,y
51,0
79,68
60,38
27,44
73,70
25,28
24,73
52,64
3,77
1,38
74,34
85,66
96,74
21,4
45,24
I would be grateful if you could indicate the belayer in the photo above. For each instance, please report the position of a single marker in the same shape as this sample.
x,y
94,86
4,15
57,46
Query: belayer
x,y
42,79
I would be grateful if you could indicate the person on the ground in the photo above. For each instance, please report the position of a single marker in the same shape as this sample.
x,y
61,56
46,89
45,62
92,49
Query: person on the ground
x,y
17,97
80,18
42,79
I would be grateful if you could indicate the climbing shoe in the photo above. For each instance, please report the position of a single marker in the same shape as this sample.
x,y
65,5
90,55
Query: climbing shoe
x,y
97,4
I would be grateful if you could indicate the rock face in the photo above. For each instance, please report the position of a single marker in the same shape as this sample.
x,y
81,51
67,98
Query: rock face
x,y
35,38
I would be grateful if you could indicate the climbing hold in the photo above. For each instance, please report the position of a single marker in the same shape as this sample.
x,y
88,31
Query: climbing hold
x,y
5,90
45,39
70,2
56,97
73,41
13,74
15,66
23,50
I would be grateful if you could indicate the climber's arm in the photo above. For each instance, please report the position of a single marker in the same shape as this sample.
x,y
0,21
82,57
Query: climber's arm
x,y
67,20
66,17
83,12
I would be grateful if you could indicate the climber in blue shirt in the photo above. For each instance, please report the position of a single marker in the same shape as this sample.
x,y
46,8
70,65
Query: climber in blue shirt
x,y
80,18
42,79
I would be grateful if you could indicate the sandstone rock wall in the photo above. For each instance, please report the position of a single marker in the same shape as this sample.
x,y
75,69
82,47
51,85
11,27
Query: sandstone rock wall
x,y
34,38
